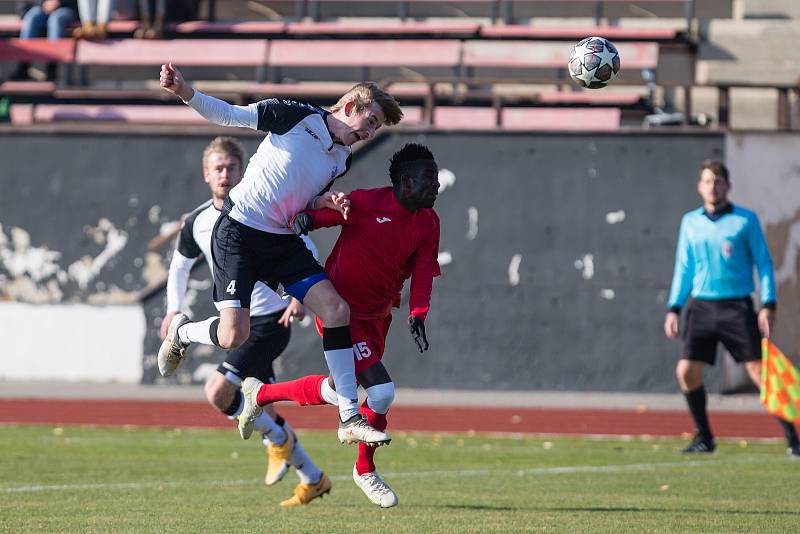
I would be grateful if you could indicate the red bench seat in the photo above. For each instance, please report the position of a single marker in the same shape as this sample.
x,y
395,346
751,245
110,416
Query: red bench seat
x,y
181,52
562,119
131,114
60,51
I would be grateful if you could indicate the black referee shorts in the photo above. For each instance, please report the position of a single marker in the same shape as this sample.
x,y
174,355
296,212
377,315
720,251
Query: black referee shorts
x,y
732,322
254,357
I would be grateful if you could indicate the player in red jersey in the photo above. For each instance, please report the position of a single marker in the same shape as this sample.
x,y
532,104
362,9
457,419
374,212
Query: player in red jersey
x,y
391,234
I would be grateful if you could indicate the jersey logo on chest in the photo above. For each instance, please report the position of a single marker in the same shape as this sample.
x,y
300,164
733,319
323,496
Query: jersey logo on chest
x,y
727,249
382,220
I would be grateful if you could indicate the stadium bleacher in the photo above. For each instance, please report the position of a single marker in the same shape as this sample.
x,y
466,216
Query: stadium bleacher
x,y
61,51
437,63
442,62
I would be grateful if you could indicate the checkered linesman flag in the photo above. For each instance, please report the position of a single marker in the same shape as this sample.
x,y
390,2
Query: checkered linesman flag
x,y
780,383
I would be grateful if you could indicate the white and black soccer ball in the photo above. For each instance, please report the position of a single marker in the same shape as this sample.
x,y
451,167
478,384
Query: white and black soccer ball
x,y
594,62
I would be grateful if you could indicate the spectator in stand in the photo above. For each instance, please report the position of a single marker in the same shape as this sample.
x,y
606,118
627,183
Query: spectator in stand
x,y
95,15
51,15
152,14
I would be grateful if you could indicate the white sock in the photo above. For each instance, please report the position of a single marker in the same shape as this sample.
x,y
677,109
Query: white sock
x,y
271,432
307,470
343,370
328,393
197,332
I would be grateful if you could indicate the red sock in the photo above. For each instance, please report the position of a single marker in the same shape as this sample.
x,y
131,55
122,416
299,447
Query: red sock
x,y
303,391
365,463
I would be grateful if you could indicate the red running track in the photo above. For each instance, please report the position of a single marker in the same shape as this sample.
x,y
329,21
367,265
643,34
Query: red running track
x,y
422,418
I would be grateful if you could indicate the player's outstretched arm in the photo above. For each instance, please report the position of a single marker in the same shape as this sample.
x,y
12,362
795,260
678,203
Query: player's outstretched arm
x,y
212,109
334,200
331,208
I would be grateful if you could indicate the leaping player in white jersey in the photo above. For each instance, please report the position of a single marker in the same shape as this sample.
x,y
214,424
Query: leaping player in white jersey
x,y
295,165
270,317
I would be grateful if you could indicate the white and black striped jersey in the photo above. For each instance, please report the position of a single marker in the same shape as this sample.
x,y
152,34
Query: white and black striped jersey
x,y
297,161
195,239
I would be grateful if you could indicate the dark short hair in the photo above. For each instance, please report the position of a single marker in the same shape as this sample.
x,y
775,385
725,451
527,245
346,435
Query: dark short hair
x,y
410,152
717,167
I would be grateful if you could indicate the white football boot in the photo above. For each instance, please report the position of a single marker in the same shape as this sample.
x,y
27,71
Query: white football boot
x,y
172,351
356,429
375,489
251,410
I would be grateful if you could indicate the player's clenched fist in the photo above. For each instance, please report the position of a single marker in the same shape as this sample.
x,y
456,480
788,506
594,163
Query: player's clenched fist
x,y
172,80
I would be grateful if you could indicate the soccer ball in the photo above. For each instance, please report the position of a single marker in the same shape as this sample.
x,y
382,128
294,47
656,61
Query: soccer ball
x,y
594,62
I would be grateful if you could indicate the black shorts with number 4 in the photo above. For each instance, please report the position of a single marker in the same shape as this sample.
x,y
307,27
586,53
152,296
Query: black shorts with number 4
x,y
732,322
243,256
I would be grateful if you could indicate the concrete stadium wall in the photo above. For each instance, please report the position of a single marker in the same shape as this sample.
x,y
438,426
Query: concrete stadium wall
x,y
556,251
561,283
76,216
765,174
74,342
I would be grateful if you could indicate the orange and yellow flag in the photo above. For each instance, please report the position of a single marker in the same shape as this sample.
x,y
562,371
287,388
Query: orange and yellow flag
x,y
780,383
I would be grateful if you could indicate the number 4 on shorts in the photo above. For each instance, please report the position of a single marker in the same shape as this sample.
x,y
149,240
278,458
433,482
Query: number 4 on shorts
x,y
231,287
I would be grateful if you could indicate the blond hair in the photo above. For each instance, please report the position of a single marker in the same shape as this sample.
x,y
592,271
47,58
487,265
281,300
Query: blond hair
x,y
224,145
363,94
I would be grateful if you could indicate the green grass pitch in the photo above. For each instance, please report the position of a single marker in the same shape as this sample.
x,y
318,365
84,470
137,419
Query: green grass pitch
x,y
81,479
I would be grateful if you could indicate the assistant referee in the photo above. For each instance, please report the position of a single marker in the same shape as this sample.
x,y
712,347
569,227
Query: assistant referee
x,y
718,246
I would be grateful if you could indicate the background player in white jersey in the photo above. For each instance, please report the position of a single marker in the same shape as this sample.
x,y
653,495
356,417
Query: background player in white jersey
x,y
269,324
293,169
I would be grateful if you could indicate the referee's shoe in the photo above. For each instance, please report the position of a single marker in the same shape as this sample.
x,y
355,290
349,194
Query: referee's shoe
x,y
701,444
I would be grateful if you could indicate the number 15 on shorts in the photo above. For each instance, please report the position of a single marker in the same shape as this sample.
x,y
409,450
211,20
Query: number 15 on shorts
x,y
362,351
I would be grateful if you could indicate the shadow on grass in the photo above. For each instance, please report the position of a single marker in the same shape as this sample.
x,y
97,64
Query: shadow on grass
x,y
482,507
604,509
673,510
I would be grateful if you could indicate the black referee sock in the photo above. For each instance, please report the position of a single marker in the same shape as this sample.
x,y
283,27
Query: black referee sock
x,y
789,431
696,399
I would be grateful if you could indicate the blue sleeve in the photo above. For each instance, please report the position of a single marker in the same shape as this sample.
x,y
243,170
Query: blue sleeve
x,y
684,269
762,259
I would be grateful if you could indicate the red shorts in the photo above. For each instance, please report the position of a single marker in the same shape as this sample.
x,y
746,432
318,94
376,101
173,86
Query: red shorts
x,y
369,340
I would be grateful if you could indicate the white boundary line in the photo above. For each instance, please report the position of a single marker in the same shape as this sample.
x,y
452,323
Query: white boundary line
x,y
563,470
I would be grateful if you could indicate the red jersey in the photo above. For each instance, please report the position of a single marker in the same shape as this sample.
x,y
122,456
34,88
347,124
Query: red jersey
x,y
381,245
